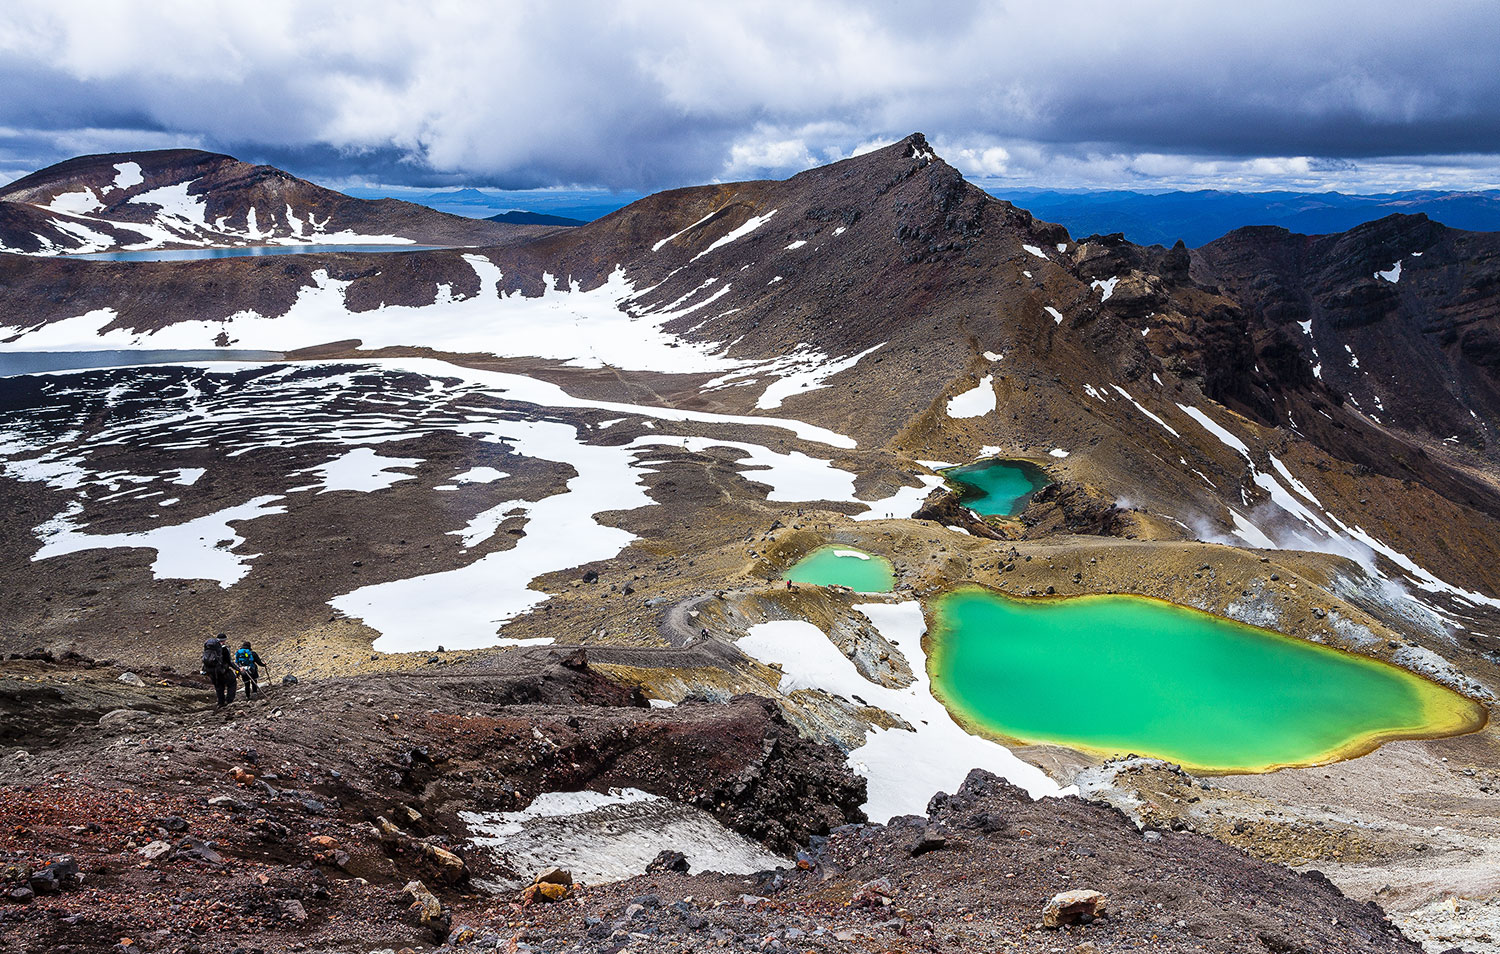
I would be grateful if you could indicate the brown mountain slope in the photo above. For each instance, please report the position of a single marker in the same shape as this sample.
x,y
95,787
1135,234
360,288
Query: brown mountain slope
x,y
893,256
183,197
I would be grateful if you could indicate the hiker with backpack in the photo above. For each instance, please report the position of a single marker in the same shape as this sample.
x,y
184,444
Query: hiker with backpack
x,y
248,662
219,668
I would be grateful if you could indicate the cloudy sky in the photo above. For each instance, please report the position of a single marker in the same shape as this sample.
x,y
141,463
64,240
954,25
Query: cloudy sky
x,y
627,94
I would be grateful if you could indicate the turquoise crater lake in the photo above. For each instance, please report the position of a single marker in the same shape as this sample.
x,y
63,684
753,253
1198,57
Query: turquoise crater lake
x,y
997,487
1119,674
844,566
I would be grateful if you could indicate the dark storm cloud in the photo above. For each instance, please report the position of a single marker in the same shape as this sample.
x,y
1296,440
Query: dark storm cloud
x,y
646,95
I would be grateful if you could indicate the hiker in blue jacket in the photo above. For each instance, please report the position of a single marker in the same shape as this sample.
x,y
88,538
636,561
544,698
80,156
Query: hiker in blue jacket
x,y
248,662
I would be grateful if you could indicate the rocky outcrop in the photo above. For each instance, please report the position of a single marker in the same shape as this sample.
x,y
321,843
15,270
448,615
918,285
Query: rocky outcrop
x,y
1001,865
946,507
1071,508
741,761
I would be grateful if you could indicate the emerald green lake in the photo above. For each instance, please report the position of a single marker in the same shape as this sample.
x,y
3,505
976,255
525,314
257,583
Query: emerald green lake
x,y
844,566
997,487
1118,674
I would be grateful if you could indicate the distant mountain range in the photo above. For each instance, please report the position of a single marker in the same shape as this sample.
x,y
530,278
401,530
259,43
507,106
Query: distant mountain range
x,y
576,205
1198,218
518,217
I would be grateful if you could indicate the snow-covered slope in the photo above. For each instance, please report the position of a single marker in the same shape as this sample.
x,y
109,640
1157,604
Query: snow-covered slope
x,y
183,198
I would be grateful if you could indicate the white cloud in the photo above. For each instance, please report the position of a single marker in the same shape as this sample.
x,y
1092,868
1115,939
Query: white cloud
x,y
636,93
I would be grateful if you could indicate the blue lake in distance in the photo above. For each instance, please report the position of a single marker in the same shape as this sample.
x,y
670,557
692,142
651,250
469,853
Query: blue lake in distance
x,y
38,362
247,251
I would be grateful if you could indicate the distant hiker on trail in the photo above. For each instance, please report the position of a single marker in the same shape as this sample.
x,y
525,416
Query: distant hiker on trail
x,y
219,668
248,662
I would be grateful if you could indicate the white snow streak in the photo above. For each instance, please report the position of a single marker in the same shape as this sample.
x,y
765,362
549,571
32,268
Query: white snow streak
x,y
904,767
754,223
658,246
1126,394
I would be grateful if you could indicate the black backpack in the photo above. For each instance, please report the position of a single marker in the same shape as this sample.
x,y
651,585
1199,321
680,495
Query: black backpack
x,y
213,656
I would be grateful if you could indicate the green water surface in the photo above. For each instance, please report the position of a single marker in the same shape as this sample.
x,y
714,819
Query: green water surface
x,y
836,566
997,487
1118,674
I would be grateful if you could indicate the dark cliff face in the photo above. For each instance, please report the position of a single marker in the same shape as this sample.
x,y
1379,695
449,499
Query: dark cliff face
x,y
1400,318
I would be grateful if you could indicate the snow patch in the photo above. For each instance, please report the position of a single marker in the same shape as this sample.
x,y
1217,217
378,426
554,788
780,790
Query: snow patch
x,y
604,837
200,549
592,329
480,475
975,402
902,503
904,766
361,470
1213,427
128,175
804,370
81,202
793,476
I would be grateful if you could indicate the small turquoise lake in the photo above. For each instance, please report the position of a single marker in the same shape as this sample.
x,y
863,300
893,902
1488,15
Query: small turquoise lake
x,y
1120,674
844,566
997,487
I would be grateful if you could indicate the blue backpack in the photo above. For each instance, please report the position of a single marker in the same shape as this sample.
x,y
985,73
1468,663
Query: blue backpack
x,y
244,658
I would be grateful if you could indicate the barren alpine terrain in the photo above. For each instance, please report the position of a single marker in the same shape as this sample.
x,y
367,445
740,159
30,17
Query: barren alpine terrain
x,y
509,521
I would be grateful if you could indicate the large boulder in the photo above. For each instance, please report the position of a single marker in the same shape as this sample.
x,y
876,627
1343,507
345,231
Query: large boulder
x,y
1072,907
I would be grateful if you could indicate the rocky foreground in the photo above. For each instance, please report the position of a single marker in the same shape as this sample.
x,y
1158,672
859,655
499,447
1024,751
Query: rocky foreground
x,y
325,817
